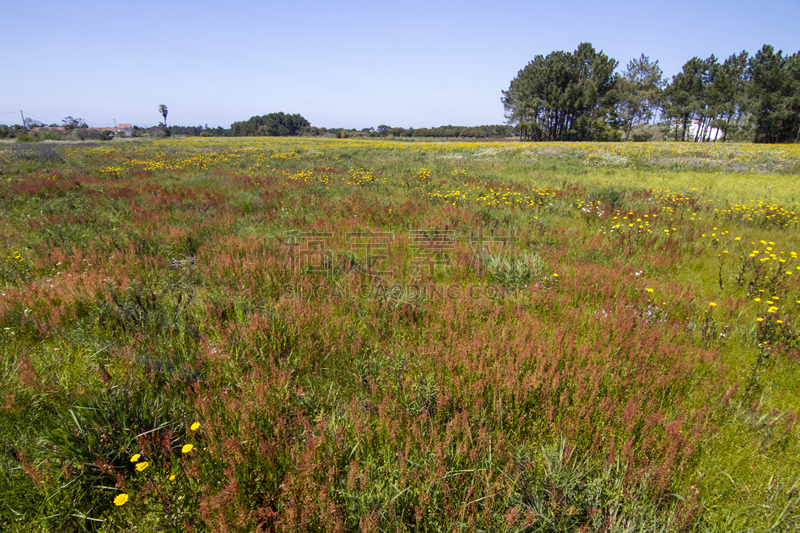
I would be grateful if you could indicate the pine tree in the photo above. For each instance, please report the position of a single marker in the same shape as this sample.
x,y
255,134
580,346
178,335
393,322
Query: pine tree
x,y
564,96
639,89
774,90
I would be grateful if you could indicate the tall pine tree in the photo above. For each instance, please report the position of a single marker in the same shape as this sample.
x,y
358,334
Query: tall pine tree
x,y
639,89
564,96
774,91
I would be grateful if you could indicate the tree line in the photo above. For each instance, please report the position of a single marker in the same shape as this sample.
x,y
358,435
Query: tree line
x,y
281,125
577,96
260,126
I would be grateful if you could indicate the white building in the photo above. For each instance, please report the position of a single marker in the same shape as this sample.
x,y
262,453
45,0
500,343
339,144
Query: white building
x,y
691,131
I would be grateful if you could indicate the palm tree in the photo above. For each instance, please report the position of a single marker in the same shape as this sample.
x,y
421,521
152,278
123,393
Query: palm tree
x,y
162,109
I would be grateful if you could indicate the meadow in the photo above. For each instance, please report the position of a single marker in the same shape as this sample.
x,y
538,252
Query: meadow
x,y
373,335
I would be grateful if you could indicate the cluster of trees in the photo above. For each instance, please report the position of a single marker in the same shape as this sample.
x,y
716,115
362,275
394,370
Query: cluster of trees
x,y
564,96
574,96
198,131
758,94
280,124
475,132
70,128
11,132
273,124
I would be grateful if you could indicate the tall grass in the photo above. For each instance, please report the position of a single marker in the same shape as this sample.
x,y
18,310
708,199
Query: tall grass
x,y
314,335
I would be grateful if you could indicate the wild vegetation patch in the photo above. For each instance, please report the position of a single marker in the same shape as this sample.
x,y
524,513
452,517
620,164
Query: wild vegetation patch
x,y
365,335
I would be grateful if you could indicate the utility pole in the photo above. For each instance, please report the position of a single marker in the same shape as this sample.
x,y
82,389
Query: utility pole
x,y
23,120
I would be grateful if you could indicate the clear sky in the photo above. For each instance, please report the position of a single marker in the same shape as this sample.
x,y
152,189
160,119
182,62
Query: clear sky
x,y
348,63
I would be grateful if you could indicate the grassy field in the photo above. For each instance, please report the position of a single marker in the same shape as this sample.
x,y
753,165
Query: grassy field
x,y
364,335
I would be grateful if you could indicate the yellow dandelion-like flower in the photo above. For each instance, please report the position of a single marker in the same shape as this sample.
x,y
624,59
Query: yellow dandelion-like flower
x,y
121,500
555,275
712,304
172,477
759,319
135,457
649,290
187,448
194,426
141,466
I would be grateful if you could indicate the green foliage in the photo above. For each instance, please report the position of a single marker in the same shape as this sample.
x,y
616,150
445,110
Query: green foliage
x,y
642,136
608,196
576,96
71,123
272,125
92,134
515,273
93,440
97,436
567,492
567,95
775,91
639,87
162,110
759,92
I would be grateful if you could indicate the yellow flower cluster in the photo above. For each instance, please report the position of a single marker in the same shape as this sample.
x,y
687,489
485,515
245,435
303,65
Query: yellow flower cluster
x,y
363,177
307,175
111,171
14,257
141,466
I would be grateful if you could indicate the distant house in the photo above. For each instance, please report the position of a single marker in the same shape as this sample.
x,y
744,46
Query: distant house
x,y
123,129
692,126
48,128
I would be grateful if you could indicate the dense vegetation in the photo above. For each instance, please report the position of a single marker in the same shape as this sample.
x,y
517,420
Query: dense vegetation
x,y
370,335
273,125
576,96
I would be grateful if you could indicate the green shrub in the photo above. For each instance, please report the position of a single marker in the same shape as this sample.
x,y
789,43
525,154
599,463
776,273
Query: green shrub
x,y
514,273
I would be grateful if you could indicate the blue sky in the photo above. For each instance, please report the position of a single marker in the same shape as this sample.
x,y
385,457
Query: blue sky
x,y
350,63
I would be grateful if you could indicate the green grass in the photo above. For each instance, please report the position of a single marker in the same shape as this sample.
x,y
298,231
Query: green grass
x,y
392,336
